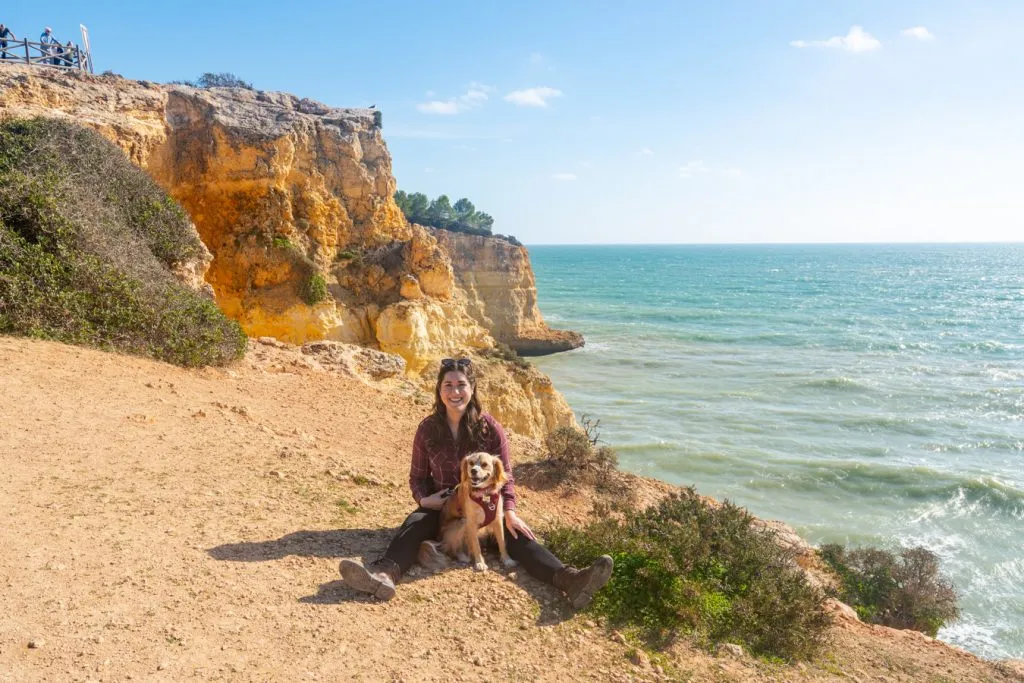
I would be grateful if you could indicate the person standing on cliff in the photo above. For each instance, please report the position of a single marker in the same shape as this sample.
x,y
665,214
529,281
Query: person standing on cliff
x,y
5,35
48,46
456,427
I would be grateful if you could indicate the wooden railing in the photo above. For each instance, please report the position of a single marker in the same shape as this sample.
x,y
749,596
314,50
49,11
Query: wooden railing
x,y
41,54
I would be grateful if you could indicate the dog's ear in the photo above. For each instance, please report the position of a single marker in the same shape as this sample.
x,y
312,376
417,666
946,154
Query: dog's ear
x,y
499,472
464,469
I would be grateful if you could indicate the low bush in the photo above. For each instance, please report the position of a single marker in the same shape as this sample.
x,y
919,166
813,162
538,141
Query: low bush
x,y
690,567
903,590
315,290
503,351
573,450
88,243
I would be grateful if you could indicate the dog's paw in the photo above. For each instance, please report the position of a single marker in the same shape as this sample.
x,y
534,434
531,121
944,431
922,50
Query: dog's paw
x,y
509,562
480,566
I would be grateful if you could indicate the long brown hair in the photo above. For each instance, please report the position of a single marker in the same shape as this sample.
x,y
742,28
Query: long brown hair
x,y
472,426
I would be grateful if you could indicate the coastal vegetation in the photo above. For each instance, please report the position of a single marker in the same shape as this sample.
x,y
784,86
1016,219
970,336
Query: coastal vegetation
x,y
688,567
88,243
901,590
218,80
502,351
441,213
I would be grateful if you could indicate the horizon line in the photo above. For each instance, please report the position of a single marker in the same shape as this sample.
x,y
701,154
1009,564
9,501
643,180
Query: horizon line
x,y
767,244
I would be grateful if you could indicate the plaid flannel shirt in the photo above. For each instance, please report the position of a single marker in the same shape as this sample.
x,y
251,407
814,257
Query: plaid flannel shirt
x,y
437,468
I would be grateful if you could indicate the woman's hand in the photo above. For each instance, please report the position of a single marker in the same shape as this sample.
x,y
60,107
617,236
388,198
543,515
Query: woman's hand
x,y
516,525
435,501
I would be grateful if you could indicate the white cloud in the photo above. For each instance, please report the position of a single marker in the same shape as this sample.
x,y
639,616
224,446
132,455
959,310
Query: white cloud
x,y
919,32
692,169
436,107
532,97
857,40
475,95
564,176
646,152
536,58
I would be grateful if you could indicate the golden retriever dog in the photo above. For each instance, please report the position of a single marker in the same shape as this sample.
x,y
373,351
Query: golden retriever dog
x,y
474,509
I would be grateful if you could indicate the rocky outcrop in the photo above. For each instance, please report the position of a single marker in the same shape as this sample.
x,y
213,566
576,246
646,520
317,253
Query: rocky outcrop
x,y
501,293
294,200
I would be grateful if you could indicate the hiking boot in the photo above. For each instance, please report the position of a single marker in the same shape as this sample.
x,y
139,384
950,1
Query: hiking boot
x,y
431,556
378,580
579,585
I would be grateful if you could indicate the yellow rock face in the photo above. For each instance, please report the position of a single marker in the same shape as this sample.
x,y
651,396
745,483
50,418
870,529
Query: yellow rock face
x,y
290,196
501,293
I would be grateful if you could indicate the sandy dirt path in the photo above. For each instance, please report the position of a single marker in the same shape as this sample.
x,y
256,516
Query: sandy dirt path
x,y
163,524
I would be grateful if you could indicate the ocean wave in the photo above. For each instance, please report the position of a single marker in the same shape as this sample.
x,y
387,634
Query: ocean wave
x,y
980,497
992,346
840,383
881,422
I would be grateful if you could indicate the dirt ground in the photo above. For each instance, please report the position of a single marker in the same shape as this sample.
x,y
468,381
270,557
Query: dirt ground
x,y
162,524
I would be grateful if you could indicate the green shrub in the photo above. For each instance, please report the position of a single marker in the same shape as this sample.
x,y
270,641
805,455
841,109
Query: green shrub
x,y
503,351
686,566
88,243
281,242
901,591
315,290
378,119
570,448
217,80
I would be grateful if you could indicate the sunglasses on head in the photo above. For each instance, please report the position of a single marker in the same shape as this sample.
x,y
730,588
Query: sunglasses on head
x,y
460,363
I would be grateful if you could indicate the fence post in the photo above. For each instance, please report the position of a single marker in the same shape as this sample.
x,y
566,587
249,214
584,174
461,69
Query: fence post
x,y
28,60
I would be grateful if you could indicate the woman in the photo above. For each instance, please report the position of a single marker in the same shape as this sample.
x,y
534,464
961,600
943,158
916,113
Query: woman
x,y
457,427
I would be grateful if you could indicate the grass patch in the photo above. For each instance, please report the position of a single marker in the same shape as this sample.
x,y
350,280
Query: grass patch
x,y
282,242
88,244
688,567
345,508
901,590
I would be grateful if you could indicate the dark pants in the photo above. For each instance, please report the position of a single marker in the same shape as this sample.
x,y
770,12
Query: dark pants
x,y
422,525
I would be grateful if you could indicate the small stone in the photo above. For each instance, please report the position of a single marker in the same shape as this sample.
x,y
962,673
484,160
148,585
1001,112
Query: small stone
x,y
732,649
36,643
276,474
640,658
619,638
162,666
478,661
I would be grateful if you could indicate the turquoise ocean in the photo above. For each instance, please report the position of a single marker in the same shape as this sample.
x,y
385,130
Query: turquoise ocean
x,y
863,394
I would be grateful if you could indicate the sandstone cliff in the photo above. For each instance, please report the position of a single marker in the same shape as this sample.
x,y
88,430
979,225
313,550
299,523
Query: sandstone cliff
x,y
294,200
501,293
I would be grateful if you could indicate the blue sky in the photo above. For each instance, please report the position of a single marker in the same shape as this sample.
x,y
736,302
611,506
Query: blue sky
x,y
580,122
